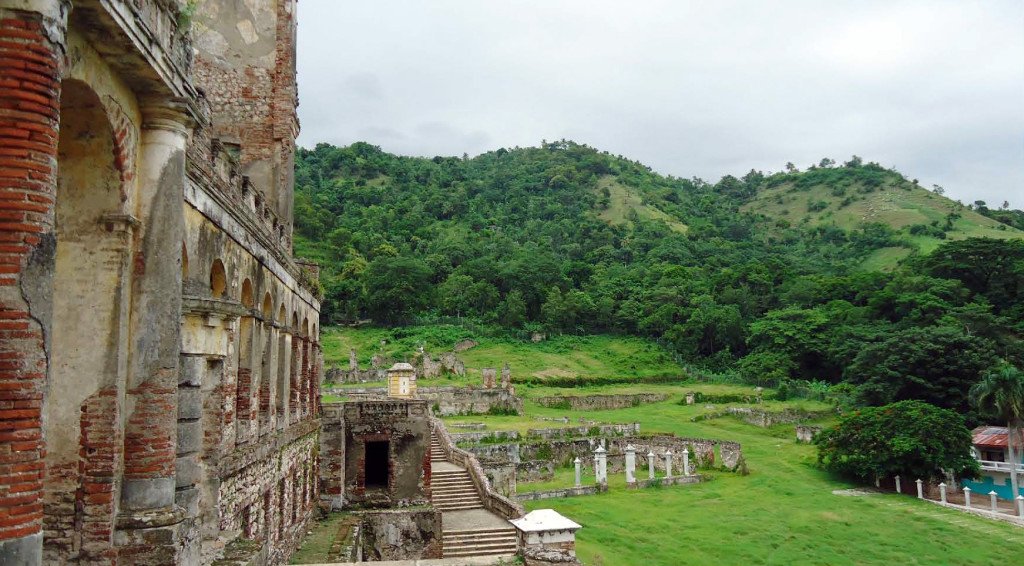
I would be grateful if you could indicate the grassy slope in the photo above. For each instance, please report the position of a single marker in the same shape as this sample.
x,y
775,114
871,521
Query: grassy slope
x,y
625,200
898,207
784,512
588,356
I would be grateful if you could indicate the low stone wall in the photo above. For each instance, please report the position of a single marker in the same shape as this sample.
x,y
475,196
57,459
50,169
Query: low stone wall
x,y
493,436
625,429
674,480
339,375
401,534
535,470
600,402
448,401
564,492
763,418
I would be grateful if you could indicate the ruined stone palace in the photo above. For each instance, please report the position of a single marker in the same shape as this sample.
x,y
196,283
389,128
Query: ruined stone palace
x,y
159,346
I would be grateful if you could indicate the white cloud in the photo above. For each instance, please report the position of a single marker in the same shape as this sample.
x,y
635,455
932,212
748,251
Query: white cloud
x,y
693,89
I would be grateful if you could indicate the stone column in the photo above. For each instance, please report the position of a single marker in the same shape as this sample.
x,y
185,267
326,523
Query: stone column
x,y
668,463
32,43
579,481
630,464
147,490
1020,505
967,497
650,465
942,492
601,466
920,489
992,495
899,488
686,462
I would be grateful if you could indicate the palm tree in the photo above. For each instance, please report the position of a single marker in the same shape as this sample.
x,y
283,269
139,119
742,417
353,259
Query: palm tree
x,y
1001,394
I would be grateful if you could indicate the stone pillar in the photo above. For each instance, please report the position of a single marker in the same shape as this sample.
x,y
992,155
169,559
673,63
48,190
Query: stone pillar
x,y
686,462
942,492
967,497
579,479
690,398
506,376
601,466
995,505
899,488
668,463
630,464
32,38
147,490
489,377
920,489
1020,505
353,361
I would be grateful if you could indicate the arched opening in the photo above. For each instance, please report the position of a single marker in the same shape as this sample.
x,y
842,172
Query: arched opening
x,y
218,279
267,370
89,279
306,371
284,392
244,393
297,387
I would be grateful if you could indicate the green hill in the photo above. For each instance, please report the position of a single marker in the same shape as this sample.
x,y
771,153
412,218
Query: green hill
x,y
846,198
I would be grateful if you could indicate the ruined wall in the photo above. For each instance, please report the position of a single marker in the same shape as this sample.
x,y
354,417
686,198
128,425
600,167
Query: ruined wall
x,y
401,534
246,64
404,426
600,402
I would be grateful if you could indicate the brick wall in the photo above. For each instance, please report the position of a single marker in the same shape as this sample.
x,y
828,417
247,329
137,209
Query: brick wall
x,y
29,107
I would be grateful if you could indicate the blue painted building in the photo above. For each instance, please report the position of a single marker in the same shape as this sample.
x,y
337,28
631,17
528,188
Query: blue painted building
x,y
990,449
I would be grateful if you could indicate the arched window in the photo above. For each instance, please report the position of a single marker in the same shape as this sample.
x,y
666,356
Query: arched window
x,y
218,279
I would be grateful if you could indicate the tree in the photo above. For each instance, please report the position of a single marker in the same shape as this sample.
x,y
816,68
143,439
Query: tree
x,y
397,287
911,439
1000,394
935,364
937,189
987,266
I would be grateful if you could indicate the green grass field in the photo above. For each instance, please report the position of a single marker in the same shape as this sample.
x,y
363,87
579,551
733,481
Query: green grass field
x,y
558,356
784,512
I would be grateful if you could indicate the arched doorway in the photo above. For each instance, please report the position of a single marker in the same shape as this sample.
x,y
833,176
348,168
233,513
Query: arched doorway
x,y
90,306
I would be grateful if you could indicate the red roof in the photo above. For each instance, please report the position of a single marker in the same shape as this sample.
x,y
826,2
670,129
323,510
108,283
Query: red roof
x,y
990,436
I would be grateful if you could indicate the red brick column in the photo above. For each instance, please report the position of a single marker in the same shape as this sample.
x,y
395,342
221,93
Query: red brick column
x,y
30,55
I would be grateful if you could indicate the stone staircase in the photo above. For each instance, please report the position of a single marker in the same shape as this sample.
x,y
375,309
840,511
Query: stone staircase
x,y
454,494
479,542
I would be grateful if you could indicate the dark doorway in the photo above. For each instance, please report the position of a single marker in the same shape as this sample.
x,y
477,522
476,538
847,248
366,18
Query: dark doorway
x,y
377,465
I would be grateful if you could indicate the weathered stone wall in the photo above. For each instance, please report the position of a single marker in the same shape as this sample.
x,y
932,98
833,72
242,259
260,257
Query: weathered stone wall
x,y
401,534
404,425
600,402
446,401
149,440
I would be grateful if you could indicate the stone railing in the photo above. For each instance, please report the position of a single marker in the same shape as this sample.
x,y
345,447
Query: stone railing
x,y
492,500
157,23
599,402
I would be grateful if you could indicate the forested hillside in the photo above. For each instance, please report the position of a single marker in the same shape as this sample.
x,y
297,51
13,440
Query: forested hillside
x,y
771,276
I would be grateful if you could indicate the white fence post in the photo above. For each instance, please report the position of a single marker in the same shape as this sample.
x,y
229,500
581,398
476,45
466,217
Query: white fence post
x,y
995,506
668,463
650,465
579,479
1020,505
967,497
942,492
898,488
630,464
686,461
920,489
601,465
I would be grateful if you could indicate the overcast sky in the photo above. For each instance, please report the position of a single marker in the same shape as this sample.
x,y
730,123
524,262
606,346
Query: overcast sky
x,y
935,89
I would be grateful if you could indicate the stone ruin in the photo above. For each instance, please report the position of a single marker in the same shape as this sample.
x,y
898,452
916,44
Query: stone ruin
x,y
161,344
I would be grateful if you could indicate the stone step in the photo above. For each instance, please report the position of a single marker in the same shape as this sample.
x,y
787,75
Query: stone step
x,y
458,506
466,499
495,539
479,550
453,491
471,532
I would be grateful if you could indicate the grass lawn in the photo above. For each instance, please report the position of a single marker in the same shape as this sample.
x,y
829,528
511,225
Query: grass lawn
x,y
784,512
559,356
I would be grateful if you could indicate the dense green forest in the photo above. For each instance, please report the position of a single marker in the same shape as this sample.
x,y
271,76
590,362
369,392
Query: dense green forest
x,y
565,238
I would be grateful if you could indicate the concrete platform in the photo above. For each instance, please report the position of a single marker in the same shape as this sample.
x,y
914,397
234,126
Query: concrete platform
x,y
472,519
439,466
467,561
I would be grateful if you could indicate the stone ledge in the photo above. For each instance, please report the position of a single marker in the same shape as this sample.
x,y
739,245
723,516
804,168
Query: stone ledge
x,y
248,454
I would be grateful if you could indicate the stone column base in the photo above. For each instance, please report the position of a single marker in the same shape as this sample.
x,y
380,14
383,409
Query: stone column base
x,y
163,536
24,551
